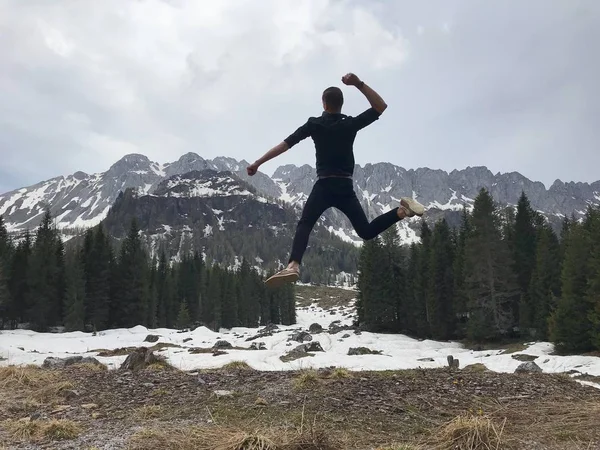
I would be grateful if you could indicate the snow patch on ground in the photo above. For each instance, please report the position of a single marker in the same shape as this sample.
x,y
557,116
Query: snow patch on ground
x,y
20,347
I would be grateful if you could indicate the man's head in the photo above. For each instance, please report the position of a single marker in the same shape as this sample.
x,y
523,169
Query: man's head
x,y
333,99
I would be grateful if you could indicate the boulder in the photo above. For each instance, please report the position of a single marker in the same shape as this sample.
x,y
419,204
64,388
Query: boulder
x,y
270,328
139,359
314,346
151,338
300,336
528,367
452,362
60,363
222,344
362,351
219,353
524,358
315,328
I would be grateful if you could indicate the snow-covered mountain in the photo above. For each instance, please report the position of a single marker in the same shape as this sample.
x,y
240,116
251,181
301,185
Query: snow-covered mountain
x,y
82,200
225,218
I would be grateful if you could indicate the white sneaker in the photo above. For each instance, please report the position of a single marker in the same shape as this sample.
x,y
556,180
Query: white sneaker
x,y
412,207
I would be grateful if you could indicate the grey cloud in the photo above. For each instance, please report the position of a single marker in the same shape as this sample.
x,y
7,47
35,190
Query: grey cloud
x,y
511,85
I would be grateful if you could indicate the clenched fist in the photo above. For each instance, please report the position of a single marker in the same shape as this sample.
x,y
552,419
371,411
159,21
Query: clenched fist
x,y
350,79
252,169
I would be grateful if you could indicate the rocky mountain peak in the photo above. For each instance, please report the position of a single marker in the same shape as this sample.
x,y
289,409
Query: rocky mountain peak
x,y
129,163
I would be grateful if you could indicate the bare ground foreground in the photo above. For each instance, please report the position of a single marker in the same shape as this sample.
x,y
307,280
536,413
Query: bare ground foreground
x,y
236,408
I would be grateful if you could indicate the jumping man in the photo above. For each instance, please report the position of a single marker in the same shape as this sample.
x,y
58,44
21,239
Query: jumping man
x,y
333,134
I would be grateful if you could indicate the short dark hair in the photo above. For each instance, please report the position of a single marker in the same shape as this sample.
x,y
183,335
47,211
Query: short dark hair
x,y
333,98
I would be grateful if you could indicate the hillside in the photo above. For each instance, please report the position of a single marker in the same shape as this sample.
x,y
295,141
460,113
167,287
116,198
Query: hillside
x,y
226,219
81,200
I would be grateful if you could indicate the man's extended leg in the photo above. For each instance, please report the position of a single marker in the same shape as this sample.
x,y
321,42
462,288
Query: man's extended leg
x,y
318,201
351,207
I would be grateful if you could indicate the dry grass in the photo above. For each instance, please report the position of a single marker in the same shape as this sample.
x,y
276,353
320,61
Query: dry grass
x,y
311,439
237,365
340,372
477,368
400,447
200,438
224,438
558,421
35,430
50,392
306,378
27,376
469,432
40,386
327,297
148,412
89,367
160,365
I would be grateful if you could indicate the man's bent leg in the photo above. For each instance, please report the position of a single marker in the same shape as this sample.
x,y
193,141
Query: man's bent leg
x,y
352,208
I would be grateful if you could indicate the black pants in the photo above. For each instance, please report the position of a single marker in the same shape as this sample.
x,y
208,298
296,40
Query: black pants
x,y
339,193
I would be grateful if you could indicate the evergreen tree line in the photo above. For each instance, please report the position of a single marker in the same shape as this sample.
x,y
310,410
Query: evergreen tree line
x,y
93,286
501,275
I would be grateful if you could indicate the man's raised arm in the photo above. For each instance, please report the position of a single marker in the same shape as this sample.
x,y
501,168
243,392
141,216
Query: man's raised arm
x,y
373,97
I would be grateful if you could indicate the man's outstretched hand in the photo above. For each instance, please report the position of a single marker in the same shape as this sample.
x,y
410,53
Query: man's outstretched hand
x,y
252,169
350,79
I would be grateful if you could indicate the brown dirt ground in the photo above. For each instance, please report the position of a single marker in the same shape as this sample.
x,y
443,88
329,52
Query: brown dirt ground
x,y
366,410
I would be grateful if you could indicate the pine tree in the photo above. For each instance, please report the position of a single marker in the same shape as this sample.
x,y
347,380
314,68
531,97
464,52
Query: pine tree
x,y
395,279
375,312
524,259
131,296
6,246
460,295
152,318
490,283
4,297
75,296
229,301
97,257
212,303
19,280
6,253
163,291
416,311
593,289
570,325
440,286
60,282
544,288
44,277
183,316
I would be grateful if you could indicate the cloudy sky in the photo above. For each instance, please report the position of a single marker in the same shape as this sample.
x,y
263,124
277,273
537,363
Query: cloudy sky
x,y
509,84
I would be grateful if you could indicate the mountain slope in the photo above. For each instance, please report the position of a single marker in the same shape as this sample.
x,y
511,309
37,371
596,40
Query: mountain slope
x,y
226,219
82,200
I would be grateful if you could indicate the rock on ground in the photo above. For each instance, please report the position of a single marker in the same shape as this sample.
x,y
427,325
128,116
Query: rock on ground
x,y
528,367
140,359
222,344
152,338
60,363
354,351
300,336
